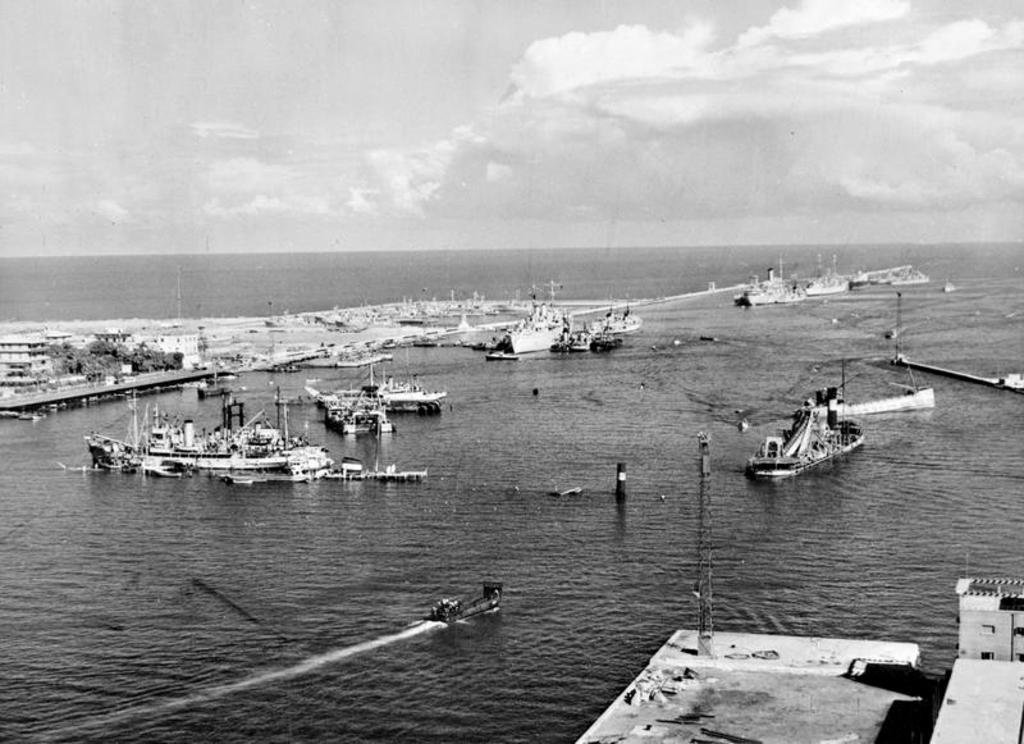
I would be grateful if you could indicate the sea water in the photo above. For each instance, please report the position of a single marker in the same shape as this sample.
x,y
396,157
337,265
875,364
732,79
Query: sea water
x,y
108,637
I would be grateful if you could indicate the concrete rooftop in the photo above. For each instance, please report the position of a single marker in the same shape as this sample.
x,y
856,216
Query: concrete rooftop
x,y
774,689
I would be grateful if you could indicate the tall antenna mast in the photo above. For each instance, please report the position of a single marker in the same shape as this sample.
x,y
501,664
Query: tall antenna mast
x,y
899,325
705,624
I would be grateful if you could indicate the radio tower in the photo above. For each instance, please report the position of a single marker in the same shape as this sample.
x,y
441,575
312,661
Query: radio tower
x,y
705,625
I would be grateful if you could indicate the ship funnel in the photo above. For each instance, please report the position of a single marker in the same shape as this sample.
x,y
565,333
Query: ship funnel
x,y
833,413
771,273
190,433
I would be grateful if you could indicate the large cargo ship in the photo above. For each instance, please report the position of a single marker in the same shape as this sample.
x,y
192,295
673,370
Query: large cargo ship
x,y
255,445
534,333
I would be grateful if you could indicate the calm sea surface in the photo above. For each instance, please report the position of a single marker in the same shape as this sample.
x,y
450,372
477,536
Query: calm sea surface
x,y
107,637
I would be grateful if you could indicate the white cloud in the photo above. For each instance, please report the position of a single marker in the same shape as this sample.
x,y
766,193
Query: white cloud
x,y
112,211
637,124
263,204
247,175
223,129
362,201
813,17
577,59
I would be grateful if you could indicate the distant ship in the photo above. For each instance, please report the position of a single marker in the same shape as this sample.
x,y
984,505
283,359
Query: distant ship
x,y
827,283
614,323
896,276
772,291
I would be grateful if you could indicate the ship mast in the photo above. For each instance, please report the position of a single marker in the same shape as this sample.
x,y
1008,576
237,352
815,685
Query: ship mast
x,y
705,624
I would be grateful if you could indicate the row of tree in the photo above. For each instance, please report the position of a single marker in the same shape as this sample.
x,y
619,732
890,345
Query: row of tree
x,y
101,358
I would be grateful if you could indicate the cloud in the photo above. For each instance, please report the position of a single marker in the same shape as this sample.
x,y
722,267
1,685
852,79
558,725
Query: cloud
x,y
223,130
577,59
641,124
110,210
243,175
262,204
361,201
813,17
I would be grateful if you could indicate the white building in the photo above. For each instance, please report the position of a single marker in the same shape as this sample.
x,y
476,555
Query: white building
x,y
23,360
186,344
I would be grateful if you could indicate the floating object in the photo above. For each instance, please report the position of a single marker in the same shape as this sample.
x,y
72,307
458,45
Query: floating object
x,y
501,356
676,342
567,492
238,480
160,471
743,425
708,338
451,610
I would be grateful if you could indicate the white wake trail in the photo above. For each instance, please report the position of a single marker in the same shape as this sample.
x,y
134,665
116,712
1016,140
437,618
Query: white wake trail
x,y
276,675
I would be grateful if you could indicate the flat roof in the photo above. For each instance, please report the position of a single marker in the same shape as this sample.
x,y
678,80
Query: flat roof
x,y
983,702
771,688
1000,587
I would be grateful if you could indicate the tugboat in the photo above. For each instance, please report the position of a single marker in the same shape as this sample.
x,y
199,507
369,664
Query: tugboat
x,y
816,436
450,610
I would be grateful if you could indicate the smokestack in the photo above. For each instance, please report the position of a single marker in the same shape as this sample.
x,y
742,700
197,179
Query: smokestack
x,y
771,273
190,433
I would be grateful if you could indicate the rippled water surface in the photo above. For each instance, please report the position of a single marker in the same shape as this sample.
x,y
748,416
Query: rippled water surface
x,y
108,635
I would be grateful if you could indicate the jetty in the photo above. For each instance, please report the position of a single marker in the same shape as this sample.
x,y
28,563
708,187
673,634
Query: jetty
x,y
140,383
1012,382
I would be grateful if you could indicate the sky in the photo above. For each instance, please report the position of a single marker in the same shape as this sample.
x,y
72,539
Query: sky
x,y
185,126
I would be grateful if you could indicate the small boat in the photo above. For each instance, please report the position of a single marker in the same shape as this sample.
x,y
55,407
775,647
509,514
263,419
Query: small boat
x,y
501,356
238,480
708,338
567,492
161,471
604,342
451,610
949,287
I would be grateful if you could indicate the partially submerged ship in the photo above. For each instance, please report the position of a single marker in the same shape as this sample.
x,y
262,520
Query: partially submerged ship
x,y
817,435
449,610
364,416
170,448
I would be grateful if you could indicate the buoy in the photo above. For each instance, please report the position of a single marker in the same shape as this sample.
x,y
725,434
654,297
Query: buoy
x,y
676,342
536,391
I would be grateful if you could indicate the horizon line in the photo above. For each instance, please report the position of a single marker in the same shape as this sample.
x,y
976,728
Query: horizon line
x,y
457,249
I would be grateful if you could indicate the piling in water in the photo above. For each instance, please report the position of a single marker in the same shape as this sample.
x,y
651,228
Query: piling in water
x,y
620,482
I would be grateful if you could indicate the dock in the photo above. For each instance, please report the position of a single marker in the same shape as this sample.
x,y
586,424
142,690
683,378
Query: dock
x,y
769,689
143,382
1013,382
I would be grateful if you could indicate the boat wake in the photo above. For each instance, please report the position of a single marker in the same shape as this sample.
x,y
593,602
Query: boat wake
x,y
311,664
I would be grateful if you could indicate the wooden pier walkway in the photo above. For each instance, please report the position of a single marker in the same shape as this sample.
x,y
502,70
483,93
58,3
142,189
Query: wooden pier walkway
x,y
140,383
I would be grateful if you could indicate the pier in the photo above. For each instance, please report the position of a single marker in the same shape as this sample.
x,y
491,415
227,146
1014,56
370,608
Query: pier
x,y
1013,382
143,382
